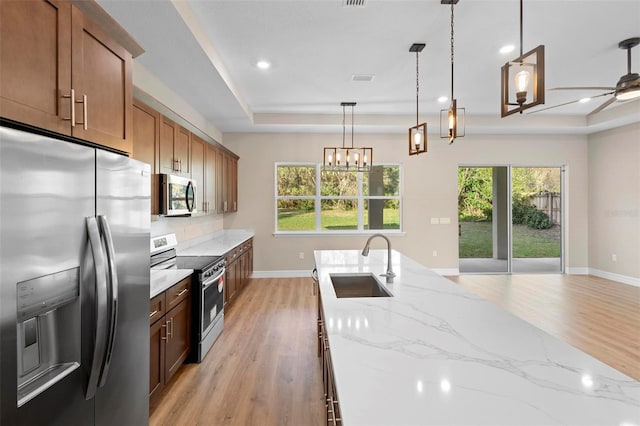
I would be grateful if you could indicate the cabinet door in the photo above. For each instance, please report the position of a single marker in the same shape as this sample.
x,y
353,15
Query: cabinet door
x,y
146,129
198,171
157,358
234,184
178,322
101,75
181,149
35,63
220,187
210,178
166,158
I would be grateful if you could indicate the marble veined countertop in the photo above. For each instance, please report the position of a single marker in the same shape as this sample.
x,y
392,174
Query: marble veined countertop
x,y
215,244
436,354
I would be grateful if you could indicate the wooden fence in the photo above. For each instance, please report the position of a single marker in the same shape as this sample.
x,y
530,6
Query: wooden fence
x,y
550,203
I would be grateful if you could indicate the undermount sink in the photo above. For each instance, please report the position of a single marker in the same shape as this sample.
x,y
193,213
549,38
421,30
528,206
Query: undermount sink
x,y
357,285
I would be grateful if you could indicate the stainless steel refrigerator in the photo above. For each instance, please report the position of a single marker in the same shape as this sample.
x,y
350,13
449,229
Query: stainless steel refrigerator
x,y
74,283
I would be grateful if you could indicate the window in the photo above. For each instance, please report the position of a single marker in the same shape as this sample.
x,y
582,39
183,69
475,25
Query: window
x,y
309,199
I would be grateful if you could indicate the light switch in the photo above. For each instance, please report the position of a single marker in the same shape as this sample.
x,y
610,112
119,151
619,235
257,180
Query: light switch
x,y
435,221
445,221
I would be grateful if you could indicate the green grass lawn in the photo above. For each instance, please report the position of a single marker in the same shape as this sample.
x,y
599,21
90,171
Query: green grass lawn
x,y
331,220
476,241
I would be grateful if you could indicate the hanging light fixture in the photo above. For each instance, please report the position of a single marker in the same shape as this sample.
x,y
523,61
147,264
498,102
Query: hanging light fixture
x,y
523,80
452,119
417,133
347,158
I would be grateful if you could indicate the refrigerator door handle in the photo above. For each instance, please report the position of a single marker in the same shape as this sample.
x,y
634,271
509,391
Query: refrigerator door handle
x,y
100,305
112,294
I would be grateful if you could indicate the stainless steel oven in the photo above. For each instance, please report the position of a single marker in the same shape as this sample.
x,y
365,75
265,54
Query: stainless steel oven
x,y
207,321
212,308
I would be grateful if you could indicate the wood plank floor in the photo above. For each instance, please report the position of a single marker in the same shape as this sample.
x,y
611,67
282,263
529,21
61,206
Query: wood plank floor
x,y
598,316
263,370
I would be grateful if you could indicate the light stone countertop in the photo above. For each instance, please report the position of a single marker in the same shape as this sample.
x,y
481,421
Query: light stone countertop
x,y
162,279
436,354
215,244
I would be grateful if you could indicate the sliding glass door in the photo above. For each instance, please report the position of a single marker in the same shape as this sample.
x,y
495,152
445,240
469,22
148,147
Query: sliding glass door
x,y
510,219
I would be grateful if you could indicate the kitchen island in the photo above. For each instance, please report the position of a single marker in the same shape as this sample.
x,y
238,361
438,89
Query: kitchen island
x,y
436,354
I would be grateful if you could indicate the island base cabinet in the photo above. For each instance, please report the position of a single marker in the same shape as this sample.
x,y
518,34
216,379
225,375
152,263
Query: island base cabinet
x,y
332,404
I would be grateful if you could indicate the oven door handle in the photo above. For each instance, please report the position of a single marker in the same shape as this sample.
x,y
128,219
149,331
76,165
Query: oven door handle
x,y
209,282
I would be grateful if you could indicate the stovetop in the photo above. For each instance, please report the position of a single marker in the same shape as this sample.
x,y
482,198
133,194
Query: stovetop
x,y
197,263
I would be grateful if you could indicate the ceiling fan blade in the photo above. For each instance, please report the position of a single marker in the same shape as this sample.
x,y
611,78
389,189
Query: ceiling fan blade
x,y
577,100
602,106
582,88
554,106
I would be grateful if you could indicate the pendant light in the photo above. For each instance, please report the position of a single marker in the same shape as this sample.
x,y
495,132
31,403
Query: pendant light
x,y
347,158
452,119
417,133
523,80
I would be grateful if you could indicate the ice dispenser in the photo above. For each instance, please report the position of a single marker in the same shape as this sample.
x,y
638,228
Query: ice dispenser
x,y
48,331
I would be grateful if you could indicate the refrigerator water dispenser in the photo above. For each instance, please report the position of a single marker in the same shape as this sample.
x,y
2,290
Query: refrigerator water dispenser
x,y
48,332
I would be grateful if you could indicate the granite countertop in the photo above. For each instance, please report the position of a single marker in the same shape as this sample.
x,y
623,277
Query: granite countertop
x,y
215,244
162,279
437,354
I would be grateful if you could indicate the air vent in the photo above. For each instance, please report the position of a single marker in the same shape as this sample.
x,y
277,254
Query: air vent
x,y
353,3
362,77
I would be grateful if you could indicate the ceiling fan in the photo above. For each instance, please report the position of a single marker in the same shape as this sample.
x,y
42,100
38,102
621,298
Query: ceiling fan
x,y
627,88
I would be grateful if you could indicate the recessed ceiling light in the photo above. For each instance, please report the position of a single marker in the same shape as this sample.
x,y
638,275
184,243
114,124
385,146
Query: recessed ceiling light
x,y
263,65
584,100
507,49
442,99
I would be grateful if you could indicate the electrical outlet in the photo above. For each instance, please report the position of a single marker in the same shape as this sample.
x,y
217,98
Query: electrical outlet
x,y
614,257
435,253
301,255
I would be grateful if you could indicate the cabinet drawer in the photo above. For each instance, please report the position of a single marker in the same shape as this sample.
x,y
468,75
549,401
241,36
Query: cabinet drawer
x,y
232,255
178,293
157,308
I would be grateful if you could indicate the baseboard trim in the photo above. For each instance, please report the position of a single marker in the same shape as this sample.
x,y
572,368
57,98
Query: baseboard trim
x,y
576,271
447,271
282,274
615,277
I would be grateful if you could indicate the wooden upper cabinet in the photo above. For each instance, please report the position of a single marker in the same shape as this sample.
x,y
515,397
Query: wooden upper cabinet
x,y
211,156
35,63
198,171
230,189
220,179
101,76
146,134
173,148
181,149
52,57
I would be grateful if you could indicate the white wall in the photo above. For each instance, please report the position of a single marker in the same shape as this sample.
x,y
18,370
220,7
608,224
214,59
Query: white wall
x,y
614,202
430,190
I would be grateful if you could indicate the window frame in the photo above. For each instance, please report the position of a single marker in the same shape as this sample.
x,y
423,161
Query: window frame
x,y
318,198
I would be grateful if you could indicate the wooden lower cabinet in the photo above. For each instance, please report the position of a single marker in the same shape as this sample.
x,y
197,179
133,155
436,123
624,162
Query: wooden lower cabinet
x,y
170,334
331,401
239,269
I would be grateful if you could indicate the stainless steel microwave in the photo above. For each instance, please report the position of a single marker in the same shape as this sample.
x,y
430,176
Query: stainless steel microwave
x,y
178,195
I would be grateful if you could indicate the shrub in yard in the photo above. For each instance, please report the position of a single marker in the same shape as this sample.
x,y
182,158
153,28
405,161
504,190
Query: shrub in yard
x,y
538,220
526,214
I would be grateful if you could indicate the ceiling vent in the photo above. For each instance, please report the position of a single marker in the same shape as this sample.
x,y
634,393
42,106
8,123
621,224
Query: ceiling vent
x,y
353,3
362,77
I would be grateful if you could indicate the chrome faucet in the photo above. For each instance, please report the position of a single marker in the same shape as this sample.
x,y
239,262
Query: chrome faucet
x,y
365,252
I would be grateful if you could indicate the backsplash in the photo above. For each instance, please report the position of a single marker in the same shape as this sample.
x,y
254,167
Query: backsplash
x,y
186,228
